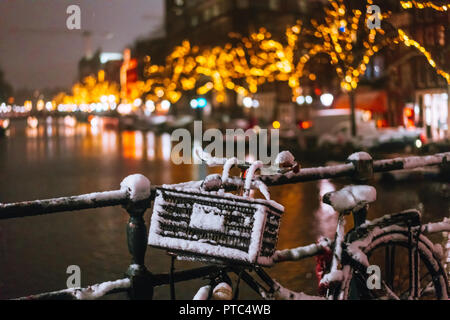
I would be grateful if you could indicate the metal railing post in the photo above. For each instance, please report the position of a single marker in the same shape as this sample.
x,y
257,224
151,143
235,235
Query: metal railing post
x,y
138,188
363,163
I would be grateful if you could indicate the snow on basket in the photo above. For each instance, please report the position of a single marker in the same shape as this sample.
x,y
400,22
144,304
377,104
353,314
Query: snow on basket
x,y
214,226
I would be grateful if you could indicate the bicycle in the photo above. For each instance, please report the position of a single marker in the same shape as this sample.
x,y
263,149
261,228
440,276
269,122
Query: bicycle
x,y
348,257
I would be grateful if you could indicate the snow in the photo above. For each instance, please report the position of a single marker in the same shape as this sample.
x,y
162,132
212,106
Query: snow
x,y
285,159
195,187
99,290
414,162
301,252
351,197
187,186
208,249
396,233
227,167
359,156
250,174
137,186
206,218
200,219
392,233
212,182
357,249
282,293
308,174
262,188
437,226
257,233
202,293
334,276
222,291
210,160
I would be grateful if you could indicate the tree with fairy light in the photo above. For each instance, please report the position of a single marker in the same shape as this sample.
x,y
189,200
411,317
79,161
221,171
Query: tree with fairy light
x,y
217,68
283,61
345,35
166,82
351,33
408,41
90,90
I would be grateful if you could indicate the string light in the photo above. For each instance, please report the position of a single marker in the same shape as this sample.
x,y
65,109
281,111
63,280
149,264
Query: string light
x,y
410,42
422,5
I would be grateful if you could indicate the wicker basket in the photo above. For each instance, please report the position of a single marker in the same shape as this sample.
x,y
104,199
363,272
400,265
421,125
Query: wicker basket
x,y
215,227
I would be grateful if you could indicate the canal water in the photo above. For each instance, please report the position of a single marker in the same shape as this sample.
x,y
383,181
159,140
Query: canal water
x,y
56,159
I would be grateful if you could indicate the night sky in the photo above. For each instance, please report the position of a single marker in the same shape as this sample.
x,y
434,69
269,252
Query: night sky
x,y
38,51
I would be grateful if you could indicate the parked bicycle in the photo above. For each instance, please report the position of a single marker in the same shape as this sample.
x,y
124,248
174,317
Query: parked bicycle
x,y
219,221
394,243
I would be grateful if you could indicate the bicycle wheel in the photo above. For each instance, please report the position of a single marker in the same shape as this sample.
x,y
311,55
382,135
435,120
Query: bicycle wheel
x,y
390,251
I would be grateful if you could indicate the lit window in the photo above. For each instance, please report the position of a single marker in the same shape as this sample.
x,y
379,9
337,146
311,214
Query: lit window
x,y
179,3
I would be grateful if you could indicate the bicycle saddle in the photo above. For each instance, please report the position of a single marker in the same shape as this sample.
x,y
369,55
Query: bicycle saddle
x,y
350,198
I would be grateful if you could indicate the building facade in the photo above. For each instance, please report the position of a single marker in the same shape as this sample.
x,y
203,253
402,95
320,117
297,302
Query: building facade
x,y
417,95
210,22
411,92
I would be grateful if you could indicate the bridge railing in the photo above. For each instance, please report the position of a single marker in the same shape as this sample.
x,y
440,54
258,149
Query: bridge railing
x,y
136,195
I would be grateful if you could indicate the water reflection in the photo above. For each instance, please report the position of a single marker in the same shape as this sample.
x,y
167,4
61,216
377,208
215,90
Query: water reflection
x,y
166,146
64,134
150,145
109,142
325,215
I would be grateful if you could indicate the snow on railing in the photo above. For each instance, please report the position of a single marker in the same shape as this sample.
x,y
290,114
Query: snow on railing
x,y
136,194
350,169
125,194
63,204
92,292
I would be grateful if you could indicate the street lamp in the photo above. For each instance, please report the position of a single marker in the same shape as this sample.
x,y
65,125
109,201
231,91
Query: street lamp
x,y
165,105
198,103
300,99
194,103
202,102
248,102
326,99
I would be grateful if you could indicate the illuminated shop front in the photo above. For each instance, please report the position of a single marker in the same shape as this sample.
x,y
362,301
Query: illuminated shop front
x,y
434,108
